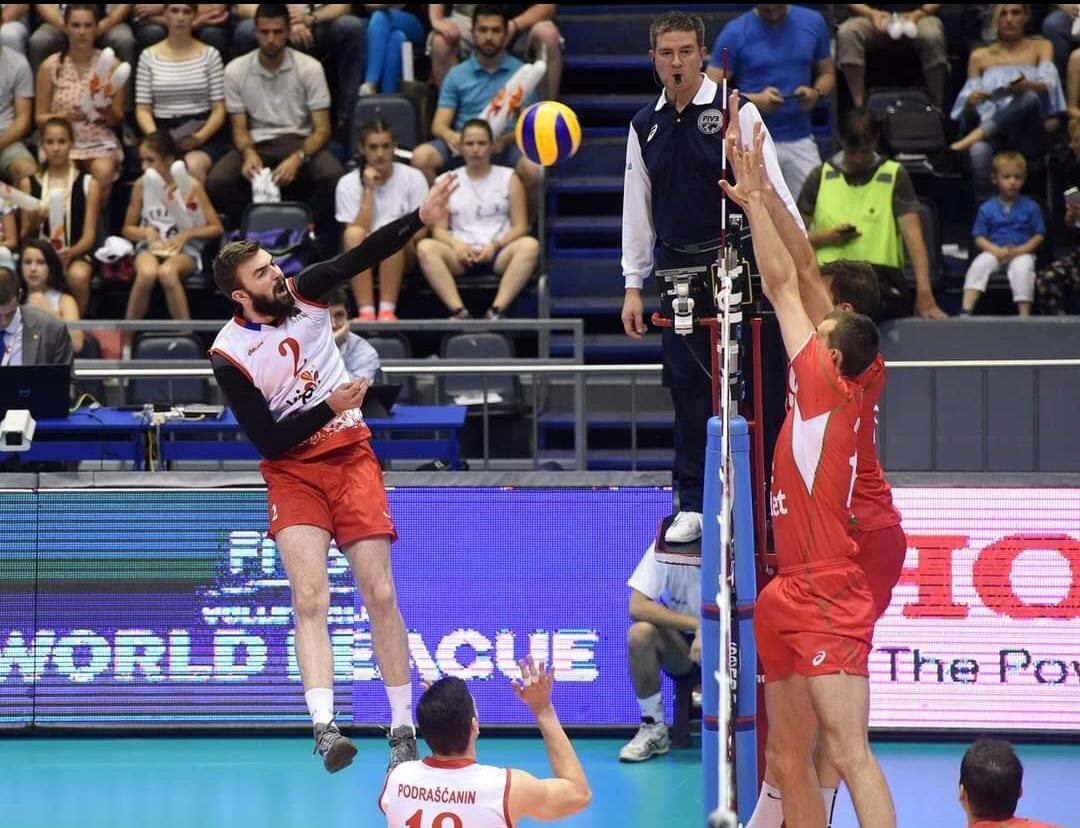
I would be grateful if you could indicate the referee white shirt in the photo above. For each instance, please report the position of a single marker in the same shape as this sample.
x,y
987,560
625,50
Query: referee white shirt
x,y
676,587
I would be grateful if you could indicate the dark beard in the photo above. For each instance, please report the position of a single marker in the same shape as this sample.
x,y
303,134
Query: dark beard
x,y
279,304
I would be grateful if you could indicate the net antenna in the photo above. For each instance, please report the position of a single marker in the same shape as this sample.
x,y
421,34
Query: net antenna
x,y
729,317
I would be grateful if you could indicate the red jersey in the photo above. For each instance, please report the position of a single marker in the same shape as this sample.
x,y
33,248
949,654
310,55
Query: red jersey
x,y
1015,822
871,502
814,462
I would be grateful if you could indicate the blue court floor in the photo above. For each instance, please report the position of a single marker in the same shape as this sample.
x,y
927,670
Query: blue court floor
x,y
276,783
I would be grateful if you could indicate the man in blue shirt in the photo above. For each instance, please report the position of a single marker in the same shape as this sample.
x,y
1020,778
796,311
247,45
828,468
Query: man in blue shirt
x,y
464,94
779,57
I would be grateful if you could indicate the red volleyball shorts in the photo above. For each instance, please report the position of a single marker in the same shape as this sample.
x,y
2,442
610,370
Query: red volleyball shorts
x,y
341,491
815,620
881,556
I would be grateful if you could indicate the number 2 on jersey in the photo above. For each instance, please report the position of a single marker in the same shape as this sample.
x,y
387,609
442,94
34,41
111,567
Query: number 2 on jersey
x,y
443,820
293,346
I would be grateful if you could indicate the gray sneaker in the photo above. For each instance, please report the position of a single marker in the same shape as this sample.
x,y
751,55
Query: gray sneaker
x,y
336,750
402,746
650,740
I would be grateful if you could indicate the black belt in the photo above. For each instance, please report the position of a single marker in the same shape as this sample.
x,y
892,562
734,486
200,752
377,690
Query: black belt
x,y
693,249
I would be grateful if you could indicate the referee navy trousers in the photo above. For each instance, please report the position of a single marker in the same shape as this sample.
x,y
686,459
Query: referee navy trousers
x,y
687,361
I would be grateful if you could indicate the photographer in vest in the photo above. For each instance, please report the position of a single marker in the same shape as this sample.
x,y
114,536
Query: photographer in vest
x,y
861,206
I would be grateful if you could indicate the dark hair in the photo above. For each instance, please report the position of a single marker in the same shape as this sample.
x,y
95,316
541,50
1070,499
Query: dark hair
x,y
371,128
231,256
481,124
859,129
56,280
992,776
9,285
491,11
161,142
854,283
70,10
676,21
856,337
63,123
272,11
444,716
338,297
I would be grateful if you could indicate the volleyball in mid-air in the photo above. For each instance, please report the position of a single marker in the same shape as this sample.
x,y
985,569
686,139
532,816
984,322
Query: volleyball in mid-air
x,y
548,132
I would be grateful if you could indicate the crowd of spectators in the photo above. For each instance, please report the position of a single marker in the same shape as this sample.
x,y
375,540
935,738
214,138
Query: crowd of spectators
x,y
224,105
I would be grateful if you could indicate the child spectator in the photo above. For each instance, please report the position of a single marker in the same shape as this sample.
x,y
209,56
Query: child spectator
x,y
1008,229
487,229
45,287
165,250
61,81
78,197
378,192
361,360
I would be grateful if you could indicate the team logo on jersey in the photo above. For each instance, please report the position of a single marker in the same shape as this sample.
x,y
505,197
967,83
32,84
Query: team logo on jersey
x,y
652,132
710,121
819,658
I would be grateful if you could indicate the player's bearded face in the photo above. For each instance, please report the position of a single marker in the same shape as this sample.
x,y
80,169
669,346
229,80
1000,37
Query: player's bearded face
x,y
276,302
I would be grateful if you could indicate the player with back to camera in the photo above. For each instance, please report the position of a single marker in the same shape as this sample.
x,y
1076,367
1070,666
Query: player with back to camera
x,y
283,376
450,790
814,620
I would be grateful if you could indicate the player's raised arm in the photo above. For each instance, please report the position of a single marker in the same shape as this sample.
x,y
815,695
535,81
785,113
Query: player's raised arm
x,y
319,279
568,792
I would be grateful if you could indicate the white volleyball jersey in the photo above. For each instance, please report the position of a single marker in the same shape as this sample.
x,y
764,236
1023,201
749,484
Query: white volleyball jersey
x,y
480,207
295,364
454,793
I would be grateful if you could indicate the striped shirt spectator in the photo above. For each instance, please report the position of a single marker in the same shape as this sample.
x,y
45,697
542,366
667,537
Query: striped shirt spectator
x,y
178,88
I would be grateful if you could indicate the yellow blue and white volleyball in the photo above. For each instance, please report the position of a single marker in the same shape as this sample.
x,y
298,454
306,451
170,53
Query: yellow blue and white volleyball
x,y
548,132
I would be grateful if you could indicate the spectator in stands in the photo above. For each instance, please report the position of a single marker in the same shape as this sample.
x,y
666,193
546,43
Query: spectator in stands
x,y
210,24
486,229
991,783
665,611
78,203
279,105
1008,230
16,116
858,206
361,360
9,233
530,32
1062,276
15,26
180,89
779,57
61,81
29,336
112,30
868,29
466,91
166,250
1057,27
388,29
45,288
379,191
327,31
1012,86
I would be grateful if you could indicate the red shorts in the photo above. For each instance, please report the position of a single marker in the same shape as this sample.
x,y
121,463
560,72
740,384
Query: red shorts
x,y
340,491
881,555
815,621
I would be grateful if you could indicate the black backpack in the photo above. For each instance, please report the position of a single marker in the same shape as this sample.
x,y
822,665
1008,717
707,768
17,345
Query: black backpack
x,y
910,124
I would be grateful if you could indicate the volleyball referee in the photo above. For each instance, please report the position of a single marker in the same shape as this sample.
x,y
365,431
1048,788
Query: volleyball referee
x,y
671,221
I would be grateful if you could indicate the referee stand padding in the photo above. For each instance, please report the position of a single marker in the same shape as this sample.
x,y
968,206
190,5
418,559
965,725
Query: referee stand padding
x,y
713,743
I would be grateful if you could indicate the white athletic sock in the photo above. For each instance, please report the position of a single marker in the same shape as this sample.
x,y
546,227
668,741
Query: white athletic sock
x,y
769,811
652,708
400,705
366,308
320,704
387,306
828,796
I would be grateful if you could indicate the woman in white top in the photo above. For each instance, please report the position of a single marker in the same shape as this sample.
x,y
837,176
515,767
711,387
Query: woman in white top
x,y
378,192
169,235
42,276
486,229
180,88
